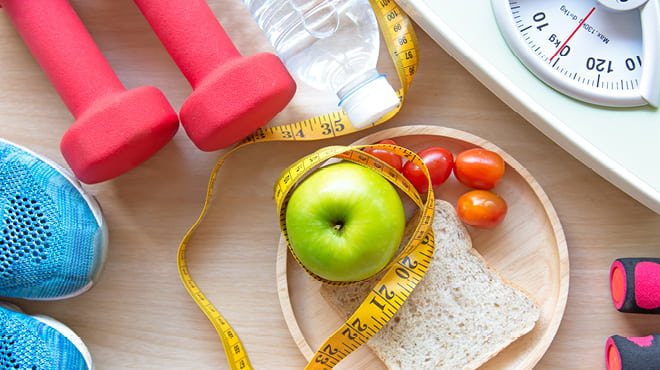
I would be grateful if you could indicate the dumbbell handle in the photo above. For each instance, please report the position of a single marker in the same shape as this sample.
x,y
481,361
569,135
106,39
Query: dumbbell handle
x,y
191,34
629,353
64,49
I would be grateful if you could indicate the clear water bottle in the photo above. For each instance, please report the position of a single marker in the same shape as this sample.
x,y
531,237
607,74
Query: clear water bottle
x,y
331,45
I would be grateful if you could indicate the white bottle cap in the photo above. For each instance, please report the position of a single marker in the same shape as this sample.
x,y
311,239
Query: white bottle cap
x,y
370,102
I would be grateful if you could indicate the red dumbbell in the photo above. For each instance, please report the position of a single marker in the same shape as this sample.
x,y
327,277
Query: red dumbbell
x,y
115,129
233,95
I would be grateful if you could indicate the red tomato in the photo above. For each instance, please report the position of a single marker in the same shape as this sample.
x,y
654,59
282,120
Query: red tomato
x,y
481,208
479,168
439,161
390,158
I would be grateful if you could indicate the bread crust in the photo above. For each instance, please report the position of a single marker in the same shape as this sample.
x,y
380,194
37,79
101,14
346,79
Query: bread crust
x,y
461,314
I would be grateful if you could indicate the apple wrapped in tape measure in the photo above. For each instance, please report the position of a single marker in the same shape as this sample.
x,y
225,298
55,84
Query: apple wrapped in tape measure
x,y
345,222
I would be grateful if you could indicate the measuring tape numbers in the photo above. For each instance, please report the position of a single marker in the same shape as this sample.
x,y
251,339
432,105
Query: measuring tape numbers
x,y
401,275
401,42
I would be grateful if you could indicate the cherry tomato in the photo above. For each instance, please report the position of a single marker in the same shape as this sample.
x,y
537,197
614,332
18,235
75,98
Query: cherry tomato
x,y
438,160
481,208
390,158
479,168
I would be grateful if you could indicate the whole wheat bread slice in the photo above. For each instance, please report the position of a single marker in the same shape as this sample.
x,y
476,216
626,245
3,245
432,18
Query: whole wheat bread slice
x,y
460,315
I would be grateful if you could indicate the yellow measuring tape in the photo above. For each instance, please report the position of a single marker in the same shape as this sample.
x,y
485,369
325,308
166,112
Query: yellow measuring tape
x,y
401,42
401,275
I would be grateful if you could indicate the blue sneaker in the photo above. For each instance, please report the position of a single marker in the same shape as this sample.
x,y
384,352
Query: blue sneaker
x,y
39,342
53,239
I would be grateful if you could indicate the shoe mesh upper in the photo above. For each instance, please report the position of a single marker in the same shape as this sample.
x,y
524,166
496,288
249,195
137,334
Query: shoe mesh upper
x,y
48,233
26,343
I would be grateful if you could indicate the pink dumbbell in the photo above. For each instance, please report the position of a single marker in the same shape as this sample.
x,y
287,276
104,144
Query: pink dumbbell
x,y
635,284
115,129
631,353
233,95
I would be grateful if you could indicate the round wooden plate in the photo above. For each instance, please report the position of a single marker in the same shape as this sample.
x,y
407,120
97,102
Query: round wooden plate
x,y
528,248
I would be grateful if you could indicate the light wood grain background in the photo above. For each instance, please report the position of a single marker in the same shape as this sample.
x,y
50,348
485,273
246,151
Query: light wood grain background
x,y
140,316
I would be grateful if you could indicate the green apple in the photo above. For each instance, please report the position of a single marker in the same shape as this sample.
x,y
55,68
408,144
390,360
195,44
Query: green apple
x,y
345,222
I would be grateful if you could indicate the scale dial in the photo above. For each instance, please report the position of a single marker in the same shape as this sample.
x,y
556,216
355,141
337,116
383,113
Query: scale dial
x,y
605,54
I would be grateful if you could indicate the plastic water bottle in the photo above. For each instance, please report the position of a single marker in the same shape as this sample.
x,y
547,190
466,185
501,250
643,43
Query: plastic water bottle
x,y
331,45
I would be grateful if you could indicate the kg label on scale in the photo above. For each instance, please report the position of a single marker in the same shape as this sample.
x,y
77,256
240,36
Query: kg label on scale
x,y
604,52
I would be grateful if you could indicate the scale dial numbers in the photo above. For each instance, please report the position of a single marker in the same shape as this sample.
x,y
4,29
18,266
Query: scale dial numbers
x,y
581,48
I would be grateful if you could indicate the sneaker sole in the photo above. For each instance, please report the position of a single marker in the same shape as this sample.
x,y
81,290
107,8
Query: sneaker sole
x,y
92,203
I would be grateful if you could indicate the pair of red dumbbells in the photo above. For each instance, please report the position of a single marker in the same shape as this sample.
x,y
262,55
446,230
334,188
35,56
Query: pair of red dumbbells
x,y
635,288
117,129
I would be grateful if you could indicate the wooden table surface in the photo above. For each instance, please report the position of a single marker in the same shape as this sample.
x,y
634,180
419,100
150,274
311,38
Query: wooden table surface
x,y
139,314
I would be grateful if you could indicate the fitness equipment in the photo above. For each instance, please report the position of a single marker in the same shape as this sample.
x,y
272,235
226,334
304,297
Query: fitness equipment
x,y
233,95
635,285
632,352
115,129
635,288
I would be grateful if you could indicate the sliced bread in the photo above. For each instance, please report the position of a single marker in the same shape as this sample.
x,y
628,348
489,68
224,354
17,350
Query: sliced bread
x,y
460,315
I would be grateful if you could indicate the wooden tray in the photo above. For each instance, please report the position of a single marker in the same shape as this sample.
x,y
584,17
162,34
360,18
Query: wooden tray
x,y
528,248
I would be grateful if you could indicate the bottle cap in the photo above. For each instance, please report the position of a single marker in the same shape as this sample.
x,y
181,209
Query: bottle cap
x,y
370,102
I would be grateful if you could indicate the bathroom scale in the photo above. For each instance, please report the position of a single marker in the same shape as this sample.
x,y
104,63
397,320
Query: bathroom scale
x,y
586,73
